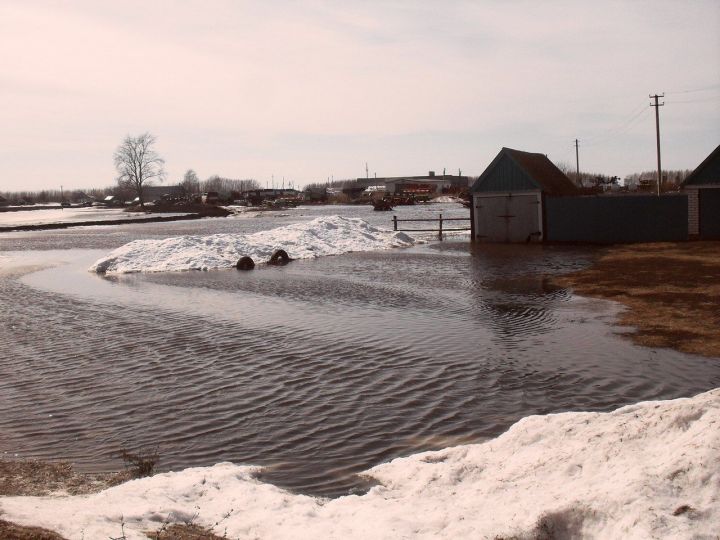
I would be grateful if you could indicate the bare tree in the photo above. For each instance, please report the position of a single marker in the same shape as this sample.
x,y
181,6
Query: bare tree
x,y
190,183
138,163
228,185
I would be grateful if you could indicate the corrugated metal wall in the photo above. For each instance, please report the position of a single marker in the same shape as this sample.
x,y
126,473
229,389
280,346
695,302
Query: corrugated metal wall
x,y
710,213
505,176
617,219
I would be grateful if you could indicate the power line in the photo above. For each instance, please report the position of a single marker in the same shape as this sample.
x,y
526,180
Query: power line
x,y
703,100
618,130
693,90
622,126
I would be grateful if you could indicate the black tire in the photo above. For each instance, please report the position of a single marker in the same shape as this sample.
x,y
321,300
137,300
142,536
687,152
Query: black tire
x,y
279,258
245,263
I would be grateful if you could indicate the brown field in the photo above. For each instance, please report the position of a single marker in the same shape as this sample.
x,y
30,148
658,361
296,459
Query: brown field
x,y
671,290
34,477
11,531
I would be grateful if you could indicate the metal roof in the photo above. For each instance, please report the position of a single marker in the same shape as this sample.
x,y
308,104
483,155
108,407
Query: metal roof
x,y
708,172
514,170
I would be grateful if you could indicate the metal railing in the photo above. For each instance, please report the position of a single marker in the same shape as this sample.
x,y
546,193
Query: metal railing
x,y
440,220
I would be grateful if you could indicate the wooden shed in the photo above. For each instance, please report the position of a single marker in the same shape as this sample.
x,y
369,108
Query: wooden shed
x,y
508,199
703,190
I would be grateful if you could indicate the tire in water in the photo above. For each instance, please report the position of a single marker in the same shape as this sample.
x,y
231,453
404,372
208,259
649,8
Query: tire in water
x,y
245,263
279,258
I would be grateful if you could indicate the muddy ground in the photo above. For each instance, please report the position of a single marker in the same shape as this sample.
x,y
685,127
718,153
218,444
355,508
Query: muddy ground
x,y
671,291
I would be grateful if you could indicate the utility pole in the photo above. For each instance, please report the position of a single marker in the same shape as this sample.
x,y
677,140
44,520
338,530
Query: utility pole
x,y
577,162
367,174
657,135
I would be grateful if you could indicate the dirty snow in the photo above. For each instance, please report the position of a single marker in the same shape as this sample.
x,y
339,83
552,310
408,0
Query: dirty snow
x,y
333,235
650,470
71,215
447,199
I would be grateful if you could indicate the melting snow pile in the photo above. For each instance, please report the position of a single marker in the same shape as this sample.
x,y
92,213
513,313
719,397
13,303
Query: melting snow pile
x,y
322,236
447,199
650,470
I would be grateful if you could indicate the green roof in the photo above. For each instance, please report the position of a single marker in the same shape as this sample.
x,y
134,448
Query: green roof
x,y
708,172
514,170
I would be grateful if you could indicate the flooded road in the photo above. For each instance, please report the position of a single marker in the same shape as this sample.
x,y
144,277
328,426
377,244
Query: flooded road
x,y
316,370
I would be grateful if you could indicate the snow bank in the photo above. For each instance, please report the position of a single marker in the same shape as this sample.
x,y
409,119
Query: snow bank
x,y
322,236
650,470
70,215
446,199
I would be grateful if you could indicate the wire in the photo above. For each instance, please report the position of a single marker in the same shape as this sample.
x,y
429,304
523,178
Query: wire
x,y
705,89
621,128
704,100
638,113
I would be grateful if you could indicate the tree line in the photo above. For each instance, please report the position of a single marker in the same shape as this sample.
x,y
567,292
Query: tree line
x,y
672,178
192,185
138,165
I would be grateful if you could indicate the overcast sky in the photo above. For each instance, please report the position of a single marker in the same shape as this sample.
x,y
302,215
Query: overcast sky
x,y
311,90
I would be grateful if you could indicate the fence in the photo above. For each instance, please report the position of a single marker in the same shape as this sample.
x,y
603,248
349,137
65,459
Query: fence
x,y
617,219
440,220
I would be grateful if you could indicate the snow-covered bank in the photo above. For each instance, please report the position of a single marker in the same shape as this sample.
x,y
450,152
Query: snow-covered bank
x,y
650,470
447,199
333,235
70,215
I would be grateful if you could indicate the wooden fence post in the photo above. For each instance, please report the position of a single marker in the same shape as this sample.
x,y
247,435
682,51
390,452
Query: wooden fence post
x,y
395,223
440,231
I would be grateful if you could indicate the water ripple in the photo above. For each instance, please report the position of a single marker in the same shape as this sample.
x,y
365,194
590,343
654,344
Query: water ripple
x,y
317,370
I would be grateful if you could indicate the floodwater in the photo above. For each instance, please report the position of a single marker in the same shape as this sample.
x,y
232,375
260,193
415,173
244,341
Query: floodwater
x,y
317,370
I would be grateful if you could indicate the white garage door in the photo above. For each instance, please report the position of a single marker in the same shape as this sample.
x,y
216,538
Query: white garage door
x,y
508,218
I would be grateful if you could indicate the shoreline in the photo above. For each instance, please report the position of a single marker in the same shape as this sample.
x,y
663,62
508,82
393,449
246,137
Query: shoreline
x,y
646,470
671,292
154,215
122,221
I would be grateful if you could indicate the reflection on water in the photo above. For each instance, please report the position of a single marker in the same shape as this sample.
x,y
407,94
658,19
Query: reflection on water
x,y
317,370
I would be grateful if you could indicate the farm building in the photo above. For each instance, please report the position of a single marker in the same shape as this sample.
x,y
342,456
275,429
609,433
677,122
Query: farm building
x,y
523,197
429,184
508,198
703,190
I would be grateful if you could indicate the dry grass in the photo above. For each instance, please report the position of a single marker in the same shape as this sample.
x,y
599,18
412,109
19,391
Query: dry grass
x,y
180,531
11,531
672,291
37,478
